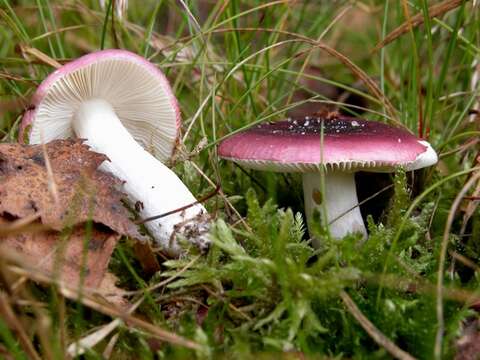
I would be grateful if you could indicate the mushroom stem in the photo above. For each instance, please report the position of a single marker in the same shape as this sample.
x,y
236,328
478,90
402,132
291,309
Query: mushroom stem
x,y
340,196
147,180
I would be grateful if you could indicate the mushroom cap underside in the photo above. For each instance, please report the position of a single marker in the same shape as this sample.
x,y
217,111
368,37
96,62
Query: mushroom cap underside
x,y
136,89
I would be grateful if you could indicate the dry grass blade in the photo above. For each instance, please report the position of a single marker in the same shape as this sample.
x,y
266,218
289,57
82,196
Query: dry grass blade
x,y
230,305
222,195
470,298
305,63
474,82
369,83
470,208
40,56
7,314
79,347
93,299
107,353
7,76
464,260
52,185
169,280
371,329
59,31
418,19
5,353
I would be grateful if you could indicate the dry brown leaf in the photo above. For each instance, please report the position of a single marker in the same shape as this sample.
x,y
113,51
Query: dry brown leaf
x,y
418,19
468,344
113,294
47,225
83,192
66,255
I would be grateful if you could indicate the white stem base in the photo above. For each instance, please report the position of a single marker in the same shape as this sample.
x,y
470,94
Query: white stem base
x,y
147,180
340,196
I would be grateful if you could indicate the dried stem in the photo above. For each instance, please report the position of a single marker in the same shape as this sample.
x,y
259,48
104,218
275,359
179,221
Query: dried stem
x,y
372,330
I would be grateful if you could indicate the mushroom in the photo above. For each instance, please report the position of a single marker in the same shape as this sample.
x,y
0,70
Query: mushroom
x,y
342,146
123,106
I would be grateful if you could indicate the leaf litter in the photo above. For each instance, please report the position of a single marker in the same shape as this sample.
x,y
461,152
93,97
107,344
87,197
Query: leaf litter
x,y
84,192
81,224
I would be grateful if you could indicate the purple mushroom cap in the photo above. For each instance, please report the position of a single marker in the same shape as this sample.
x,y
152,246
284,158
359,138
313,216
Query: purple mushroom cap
x,y
297,145
340,145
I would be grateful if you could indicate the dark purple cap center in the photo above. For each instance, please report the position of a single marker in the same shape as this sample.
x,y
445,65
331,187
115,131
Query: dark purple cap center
x,y
314,125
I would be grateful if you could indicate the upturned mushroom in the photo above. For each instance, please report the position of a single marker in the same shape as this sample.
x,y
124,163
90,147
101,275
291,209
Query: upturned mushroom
x,y
123,106
342,146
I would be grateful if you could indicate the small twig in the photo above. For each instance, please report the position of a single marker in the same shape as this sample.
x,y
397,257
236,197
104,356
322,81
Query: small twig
x,y
251,177
372,330
166,281
202,200
361,203
222,195
230,305
464,260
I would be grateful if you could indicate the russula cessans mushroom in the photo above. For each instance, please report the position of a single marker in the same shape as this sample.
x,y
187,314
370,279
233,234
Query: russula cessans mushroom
x,y
342,145
123,106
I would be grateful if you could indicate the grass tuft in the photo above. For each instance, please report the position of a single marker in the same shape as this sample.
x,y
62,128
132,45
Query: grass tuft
x,y
262,289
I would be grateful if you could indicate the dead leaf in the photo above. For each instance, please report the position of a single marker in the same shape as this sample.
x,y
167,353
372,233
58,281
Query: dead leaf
x,y
69,256
112,293
49,231
84,193
144,253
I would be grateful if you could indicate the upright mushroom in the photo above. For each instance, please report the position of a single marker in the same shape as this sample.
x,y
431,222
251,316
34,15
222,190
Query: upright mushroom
x,y
342,146
123,105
